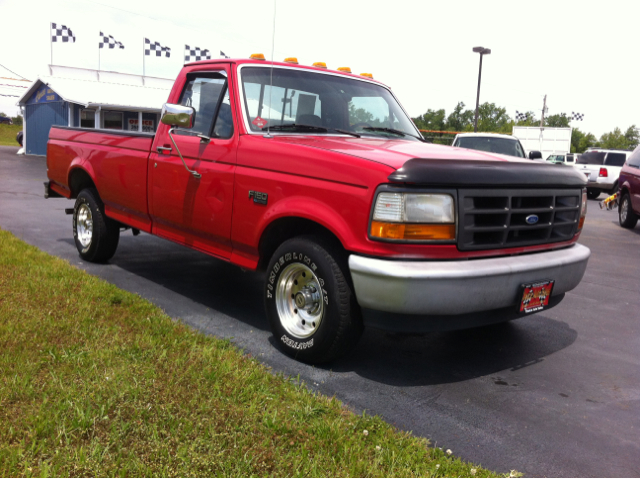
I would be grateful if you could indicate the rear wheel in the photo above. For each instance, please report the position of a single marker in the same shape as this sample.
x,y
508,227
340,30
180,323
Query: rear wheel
x,y
592,194
626,216
311,307
95,235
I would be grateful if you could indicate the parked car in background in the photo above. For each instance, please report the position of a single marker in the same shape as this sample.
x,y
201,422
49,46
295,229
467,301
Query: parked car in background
x,y
629,181
494,143
602,169
568,159
5,120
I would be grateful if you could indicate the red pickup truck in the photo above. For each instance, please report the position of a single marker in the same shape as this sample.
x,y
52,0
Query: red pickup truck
x,y
320,179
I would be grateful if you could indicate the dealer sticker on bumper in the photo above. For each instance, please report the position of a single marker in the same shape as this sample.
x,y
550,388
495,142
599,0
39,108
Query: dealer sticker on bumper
x,y
535,296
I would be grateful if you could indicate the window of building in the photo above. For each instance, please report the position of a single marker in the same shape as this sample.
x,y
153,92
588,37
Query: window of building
x,y
88,119
112,120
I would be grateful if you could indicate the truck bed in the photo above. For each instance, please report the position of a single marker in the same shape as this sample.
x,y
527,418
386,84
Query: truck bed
x,y
117,161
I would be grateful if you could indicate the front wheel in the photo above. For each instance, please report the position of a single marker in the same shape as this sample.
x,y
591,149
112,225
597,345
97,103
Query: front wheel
x,y
96,236
311,307
626,216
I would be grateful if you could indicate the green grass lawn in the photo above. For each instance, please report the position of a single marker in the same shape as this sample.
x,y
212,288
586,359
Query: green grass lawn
x,y
8,135
96,381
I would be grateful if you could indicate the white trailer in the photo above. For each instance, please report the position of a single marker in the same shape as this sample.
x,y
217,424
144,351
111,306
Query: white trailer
x,y
548,141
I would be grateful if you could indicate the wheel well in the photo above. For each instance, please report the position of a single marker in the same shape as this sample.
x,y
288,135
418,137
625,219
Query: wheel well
x,y
78,181
286,228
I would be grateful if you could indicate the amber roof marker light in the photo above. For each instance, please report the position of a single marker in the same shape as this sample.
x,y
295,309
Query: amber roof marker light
x,y
344,69
320,65
368,75
293,60
257,56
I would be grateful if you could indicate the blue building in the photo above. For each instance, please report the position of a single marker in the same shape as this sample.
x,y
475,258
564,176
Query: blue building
x,y
90,99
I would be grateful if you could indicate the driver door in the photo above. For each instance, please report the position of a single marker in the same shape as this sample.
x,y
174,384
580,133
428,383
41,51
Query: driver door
x,y
195,211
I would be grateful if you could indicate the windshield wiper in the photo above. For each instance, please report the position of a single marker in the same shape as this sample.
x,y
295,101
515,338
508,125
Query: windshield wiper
x,y
317,129
395,132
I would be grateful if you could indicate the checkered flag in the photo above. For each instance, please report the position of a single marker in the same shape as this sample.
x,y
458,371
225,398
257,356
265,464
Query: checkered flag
x,y
62,33
223,54
521,116
107,41
194,54
155,47
577,116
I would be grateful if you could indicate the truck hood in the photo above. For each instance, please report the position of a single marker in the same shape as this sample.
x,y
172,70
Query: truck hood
x,y
439,165
393,153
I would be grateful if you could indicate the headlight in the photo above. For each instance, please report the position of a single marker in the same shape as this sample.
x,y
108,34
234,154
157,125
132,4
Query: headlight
x,y
414,216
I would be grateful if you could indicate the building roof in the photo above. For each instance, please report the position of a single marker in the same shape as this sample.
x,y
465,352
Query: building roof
x,y
91,88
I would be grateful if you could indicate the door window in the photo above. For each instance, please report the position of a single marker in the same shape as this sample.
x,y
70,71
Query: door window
x,y
209,97
634,159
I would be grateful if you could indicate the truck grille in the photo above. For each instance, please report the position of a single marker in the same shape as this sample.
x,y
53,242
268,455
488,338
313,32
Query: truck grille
x,y
498,218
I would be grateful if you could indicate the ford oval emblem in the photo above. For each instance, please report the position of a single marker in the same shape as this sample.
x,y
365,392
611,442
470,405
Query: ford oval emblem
x,y
532,219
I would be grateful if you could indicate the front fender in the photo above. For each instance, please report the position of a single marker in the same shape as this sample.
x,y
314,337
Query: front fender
x,y
312,210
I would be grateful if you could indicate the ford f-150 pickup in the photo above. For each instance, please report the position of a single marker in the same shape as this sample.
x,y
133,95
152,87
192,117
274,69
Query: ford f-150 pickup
x,y
320,179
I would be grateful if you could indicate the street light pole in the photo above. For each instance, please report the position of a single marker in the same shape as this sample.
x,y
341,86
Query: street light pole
x,y
482,51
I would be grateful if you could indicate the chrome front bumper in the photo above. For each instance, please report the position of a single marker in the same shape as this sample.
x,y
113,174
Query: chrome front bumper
x,y
449,288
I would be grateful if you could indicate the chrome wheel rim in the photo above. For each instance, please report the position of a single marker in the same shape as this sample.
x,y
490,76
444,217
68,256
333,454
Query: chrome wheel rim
x,y
299,300
84,225
623,210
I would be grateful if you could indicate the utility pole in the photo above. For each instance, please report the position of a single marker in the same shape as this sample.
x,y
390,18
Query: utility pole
x,y
544,109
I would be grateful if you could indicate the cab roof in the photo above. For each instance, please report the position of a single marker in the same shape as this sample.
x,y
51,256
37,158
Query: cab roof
x,y
249,61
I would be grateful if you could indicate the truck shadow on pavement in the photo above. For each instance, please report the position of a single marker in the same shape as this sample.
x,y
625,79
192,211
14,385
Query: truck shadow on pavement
x,y
446,357
388,358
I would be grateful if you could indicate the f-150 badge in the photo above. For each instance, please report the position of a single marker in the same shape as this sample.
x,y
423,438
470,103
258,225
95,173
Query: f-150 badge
x,y
258,197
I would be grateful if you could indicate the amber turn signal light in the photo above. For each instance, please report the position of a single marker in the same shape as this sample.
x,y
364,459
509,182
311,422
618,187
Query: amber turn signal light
x,y
402,231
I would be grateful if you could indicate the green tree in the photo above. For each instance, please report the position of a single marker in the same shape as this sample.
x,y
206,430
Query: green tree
x,y
459,119
17,120
560,120
493,118
530,120
431,120
614,140
633,137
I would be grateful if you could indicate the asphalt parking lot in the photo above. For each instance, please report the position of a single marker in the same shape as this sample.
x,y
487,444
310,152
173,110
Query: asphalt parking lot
x,y
552,394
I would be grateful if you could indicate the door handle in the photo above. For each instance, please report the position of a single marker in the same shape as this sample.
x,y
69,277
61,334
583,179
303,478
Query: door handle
x,y
164,150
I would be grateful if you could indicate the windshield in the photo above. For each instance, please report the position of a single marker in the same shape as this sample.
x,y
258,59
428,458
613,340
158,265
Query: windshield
x,y
503,146
330,102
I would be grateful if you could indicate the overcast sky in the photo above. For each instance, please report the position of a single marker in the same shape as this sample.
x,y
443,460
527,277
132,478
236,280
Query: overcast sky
x,y
582,55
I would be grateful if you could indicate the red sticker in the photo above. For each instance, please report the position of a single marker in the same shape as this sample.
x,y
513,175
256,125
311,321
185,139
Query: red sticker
x,y
259,122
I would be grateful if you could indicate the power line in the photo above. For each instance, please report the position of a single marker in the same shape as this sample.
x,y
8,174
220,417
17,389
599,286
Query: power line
x,y
13,72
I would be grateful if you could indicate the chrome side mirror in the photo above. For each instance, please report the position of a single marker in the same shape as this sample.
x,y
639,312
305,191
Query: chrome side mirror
x,y
177,115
